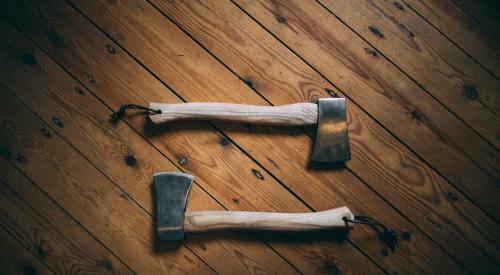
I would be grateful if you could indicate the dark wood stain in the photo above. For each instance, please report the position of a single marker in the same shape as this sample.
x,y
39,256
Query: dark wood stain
x,y
399,6
281,19
20,158
182,160
57,122
370,52
331,92
46,132
376,32
130,160
248,81
79,91
470,92
28,59
257,174
5,152
90,78
224,141
110,49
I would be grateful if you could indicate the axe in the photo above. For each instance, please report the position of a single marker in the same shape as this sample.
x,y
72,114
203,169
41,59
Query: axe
x,y
332,141
172,189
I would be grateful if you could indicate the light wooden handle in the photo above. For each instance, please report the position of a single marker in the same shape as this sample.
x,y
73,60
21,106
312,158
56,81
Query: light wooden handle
x,y
299,114
201,221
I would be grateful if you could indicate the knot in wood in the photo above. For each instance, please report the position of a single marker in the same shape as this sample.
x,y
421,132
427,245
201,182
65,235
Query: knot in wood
x,y
470,91
281,19
46,132
130,160
110,49
28,59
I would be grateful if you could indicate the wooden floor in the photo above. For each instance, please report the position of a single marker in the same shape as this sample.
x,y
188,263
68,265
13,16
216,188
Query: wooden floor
x,y
421,79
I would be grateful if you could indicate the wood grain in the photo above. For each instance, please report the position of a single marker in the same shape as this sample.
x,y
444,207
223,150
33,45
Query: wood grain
x,y
120,152
458,154
472,25
377,152
203,221
447,73
47,231
86,194
298,114
197,149
15,259
279,148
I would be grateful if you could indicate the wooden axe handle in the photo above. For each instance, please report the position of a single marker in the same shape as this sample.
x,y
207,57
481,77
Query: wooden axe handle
x,y
298,114
202,221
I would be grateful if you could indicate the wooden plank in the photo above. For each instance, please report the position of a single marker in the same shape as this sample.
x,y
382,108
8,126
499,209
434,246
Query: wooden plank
x,y
291,167
47,231
92,199
197,148
447,73
371,81
15,259
317,260
121,153
314,192
472,25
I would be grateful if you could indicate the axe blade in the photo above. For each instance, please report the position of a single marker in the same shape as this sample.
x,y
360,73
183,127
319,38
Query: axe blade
x,y
171,190
332,140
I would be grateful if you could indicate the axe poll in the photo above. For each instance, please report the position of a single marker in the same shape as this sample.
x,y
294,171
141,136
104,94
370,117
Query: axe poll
x,y
172,190
329,114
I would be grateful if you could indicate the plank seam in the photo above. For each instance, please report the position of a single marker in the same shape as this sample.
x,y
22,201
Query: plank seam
x,y
452,41
367,113
55,202
413,80
210,123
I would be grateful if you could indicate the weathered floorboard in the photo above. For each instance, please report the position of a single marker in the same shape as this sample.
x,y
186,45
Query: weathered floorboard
x,y
473,25
15,259
114,77
367,78
446,72
119,152
87,195
253,55
216,94
47,231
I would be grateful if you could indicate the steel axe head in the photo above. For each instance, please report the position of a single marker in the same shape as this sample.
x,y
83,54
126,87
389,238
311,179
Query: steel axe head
x,y
332,140
171,191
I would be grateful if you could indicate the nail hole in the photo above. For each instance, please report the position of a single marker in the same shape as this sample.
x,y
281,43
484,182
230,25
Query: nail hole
x,y
224,141
46,132
110,49
376,32
79,91
90,78
57,122
405,235
182,160
399,6
331,92
281,19
257,174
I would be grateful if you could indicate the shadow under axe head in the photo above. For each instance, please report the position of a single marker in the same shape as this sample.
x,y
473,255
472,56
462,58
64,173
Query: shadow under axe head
x,y
332,140
171,191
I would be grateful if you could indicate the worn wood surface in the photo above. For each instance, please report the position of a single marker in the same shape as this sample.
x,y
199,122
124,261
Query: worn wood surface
x,y
422,103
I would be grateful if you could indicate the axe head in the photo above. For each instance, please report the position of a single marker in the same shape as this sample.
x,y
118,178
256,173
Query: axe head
x,y
332,140
171,190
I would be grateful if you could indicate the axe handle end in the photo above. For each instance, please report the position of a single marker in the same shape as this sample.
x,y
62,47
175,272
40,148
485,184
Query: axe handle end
x,y
298,114
202,221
